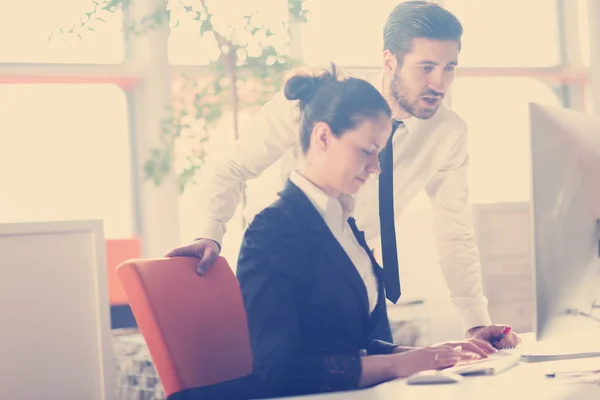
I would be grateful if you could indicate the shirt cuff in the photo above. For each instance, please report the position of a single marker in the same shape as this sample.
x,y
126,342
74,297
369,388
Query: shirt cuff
x,y
340,373
213,230
475,316
381,347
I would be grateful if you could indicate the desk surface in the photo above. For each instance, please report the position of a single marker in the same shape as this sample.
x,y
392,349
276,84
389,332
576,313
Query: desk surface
x,y
526,380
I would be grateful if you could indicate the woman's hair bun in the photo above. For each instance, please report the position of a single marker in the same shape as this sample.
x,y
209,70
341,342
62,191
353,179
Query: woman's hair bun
x,y
303,86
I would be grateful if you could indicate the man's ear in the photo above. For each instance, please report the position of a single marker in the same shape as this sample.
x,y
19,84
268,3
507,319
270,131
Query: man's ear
x,y
390,63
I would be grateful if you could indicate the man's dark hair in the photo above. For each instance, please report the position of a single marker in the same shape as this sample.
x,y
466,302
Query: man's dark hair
x,y
418,19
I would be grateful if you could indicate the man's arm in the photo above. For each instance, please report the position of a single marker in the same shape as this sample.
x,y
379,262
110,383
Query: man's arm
x,y
453,229
274,131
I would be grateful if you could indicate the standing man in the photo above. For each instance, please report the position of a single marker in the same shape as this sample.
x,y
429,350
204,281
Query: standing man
x,y
428,150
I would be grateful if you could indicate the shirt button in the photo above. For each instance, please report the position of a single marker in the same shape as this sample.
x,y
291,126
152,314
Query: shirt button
x,y
362,353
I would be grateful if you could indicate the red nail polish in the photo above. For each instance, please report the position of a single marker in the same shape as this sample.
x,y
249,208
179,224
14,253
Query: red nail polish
x,y
506,330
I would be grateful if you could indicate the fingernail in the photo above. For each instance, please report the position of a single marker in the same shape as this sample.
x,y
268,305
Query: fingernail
x,y
458,348
200,271
506,330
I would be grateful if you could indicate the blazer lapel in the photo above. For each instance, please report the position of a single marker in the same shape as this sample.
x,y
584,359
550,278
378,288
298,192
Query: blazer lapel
x,y
381,301
323,237
360,236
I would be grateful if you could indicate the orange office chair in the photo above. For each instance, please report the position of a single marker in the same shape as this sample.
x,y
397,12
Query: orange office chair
x,y
118,251
195,326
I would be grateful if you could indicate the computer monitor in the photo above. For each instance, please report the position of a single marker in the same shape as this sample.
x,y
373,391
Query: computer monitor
x,y
565,172
54,312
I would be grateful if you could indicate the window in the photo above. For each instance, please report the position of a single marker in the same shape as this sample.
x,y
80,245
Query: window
x,y
65,154
344,32
508,33
496,111
584,32
26,27
188,47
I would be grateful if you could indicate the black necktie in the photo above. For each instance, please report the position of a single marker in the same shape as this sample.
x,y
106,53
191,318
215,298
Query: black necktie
x,y
389,253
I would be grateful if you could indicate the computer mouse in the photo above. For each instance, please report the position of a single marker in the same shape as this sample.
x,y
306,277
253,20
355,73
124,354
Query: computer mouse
x,y
433,377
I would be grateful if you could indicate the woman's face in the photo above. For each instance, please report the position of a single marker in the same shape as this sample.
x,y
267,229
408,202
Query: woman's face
x,y
346,162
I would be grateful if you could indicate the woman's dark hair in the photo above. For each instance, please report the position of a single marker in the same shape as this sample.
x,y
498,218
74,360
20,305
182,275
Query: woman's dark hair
x,y
418,19
342,103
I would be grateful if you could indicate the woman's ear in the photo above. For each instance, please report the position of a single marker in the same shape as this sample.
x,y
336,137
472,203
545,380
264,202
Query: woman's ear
x,y
321,136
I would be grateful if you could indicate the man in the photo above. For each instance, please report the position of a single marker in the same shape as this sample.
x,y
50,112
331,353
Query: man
x,y
422,42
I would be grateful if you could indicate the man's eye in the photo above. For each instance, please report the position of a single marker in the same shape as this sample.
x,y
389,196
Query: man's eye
x,y
427,68
367,152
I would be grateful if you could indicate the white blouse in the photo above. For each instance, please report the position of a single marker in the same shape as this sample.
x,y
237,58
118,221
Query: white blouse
x,y
335,213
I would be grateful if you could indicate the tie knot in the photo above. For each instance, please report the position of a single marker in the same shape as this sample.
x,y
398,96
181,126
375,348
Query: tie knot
x,y
395,124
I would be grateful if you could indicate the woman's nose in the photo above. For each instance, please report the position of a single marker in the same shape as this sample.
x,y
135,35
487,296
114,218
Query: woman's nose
x,y
374,167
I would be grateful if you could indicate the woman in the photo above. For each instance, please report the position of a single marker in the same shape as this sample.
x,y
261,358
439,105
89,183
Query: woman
x,y
312,290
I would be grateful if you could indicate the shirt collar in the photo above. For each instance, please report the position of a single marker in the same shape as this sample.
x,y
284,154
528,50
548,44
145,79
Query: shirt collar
x,y
339,208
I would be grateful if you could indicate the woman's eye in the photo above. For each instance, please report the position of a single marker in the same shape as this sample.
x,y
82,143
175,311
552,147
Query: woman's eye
x,y
367,152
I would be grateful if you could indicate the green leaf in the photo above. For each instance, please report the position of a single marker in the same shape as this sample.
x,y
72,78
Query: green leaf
x,y
206,26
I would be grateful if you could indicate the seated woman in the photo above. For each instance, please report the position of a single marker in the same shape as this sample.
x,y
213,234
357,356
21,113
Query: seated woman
x,y
312,290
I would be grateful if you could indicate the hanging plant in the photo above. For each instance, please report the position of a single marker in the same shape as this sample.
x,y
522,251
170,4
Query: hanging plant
x,y
247,72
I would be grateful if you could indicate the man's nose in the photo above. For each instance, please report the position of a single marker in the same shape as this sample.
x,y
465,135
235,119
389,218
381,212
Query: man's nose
x,y
438,82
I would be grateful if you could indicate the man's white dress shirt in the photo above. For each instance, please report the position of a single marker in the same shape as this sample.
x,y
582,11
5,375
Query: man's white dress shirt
x,y
335,213
428,154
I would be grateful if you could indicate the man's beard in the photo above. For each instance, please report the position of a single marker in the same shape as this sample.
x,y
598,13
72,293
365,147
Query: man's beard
x,y
401,96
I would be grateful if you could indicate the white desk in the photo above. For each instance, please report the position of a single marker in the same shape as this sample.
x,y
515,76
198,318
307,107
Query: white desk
x,y
523,381
526,380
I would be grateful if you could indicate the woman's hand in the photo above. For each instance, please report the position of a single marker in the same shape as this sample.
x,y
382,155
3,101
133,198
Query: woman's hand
x,y
430,358
478,346
405,361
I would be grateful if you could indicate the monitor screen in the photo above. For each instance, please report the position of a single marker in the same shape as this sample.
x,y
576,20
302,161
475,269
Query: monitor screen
x,y
54,312
565,168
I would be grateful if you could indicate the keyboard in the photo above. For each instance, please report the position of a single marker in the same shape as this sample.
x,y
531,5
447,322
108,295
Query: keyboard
x,y
493,365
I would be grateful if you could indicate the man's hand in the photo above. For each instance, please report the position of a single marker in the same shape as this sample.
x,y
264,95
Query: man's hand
x,y
500,336
206,250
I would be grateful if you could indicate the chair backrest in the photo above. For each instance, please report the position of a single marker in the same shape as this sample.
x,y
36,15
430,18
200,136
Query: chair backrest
x,y
195,326
117,252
